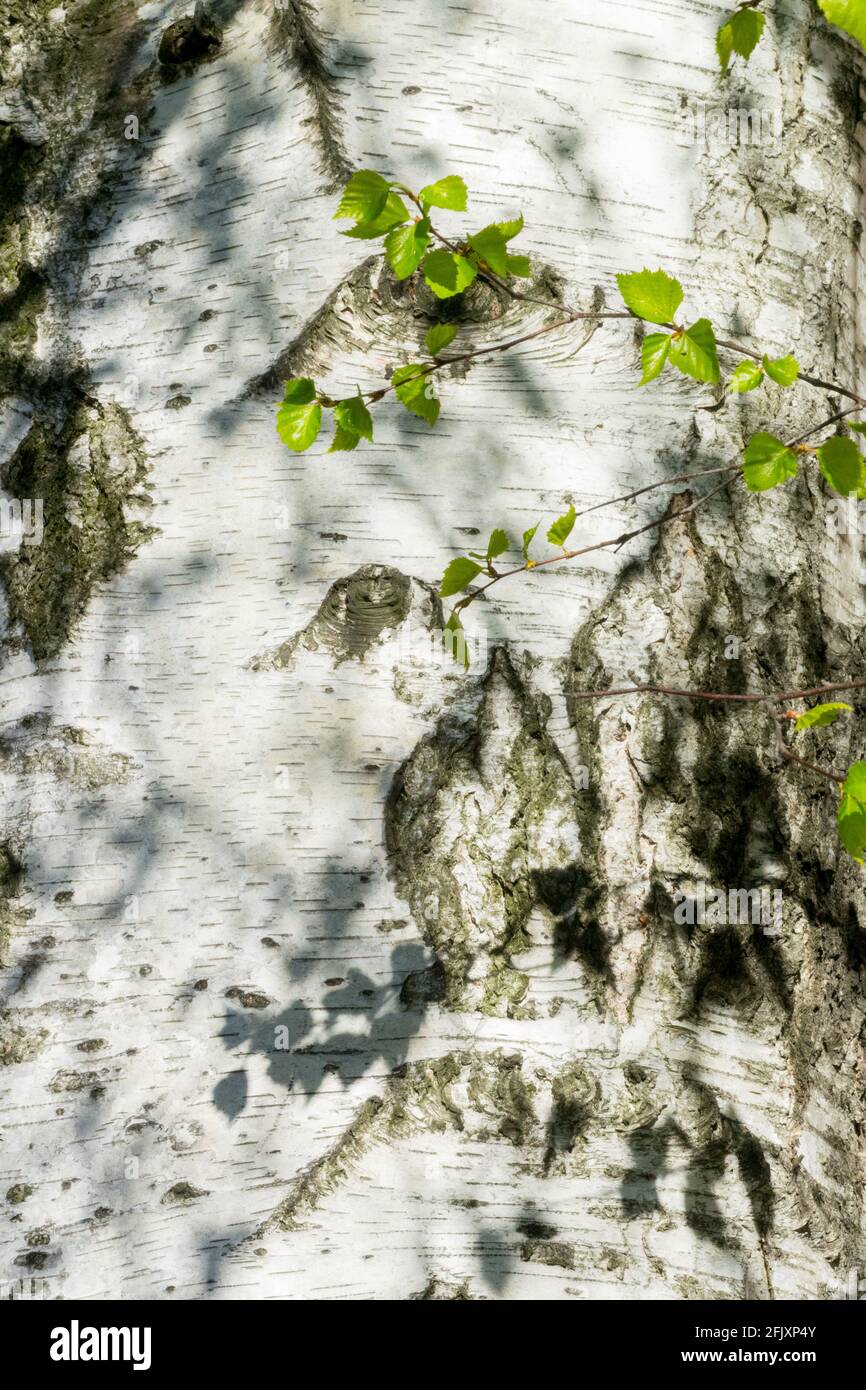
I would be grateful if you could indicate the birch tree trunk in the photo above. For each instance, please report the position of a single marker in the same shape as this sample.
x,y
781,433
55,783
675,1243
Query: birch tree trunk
x,y
329,970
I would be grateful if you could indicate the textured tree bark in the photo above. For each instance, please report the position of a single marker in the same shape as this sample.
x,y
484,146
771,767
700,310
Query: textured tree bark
x,y
329,970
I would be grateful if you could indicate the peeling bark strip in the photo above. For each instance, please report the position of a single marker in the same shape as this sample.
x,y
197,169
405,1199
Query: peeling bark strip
x,y
296,34
327,970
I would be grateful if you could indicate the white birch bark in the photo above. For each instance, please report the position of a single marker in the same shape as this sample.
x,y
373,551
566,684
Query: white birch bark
x,y
329,971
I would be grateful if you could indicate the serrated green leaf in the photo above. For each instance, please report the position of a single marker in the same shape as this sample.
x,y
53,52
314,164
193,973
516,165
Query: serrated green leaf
x,y
448,274
498,544
857,426
849,15
651,294
739,34
528,537
653,355
415,391
562,528
851,816
393,214
300,415
454,640
490,245
725,45
820,715
783,370
842,464
405,246
343,440
439,337
449,192
855,782
767,462
694,352
352,415
457,576
364,196
300,391
747,26
519,266
745,377
511,228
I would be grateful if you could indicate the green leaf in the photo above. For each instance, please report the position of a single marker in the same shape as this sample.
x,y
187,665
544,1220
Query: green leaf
x,y
651,294
364,196
842,464
343,440
415,390
405,246
653,355
300,415
851,817
353,416
449,192
739,34
448,274
694,353
745,377
457,576
783,370
393,214
820,715
855,782
490,245
859,427
725,46
439,337
767,462
561,529
498,544
747,27
519,266
528,537
849,15
454,640
512,228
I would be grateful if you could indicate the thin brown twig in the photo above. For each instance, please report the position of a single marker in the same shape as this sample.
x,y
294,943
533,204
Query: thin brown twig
x,y
630,535
834,775
650,688
572,315
816,381
439,363
749,698
617,541
792,757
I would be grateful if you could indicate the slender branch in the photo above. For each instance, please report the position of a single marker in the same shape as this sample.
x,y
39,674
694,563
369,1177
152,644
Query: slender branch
x,y
834,776
617,541
802,376
572,315
647,688
651,689
791,757
660,482
820,690
439,363
831,420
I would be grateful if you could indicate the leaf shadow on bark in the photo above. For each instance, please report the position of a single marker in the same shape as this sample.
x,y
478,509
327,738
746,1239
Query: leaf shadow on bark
x,y
391,1014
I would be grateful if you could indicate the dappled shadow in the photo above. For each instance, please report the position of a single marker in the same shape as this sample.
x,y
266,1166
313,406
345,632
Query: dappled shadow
x,y
387,1016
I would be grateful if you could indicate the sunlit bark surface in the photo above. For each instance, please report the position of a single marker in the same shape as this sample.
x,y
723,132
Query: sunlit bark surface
x,y
329,970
